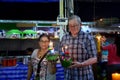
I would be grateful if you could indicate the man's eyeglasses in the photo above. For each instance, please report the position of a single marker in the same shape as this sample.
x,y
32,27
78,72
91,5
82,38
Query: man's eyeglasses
x,y
74,26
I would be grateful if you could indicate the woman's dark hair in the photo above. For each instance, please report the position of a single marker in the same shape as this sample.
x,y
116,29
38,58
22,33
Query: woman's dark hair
x,y
117,42
43,35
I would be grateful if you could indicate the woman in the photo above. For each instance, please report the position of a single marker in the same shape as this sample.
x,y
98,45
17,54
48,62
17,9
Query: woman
x,y
113,56
104,56
113,50
36,56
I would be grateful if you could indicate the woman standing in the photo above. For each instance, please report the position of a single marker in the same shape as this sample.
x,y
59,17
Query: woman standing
x,y
37,59
113,56
114,51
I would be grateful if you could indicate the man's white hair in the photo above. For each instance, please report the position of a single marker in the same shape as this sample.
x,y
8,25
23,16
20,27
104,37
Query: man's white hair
x,y
75,17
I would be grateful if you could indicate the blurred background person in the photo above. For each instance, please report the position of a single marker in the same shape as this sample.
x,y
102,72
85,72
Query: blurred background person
x,y
104,56
113,56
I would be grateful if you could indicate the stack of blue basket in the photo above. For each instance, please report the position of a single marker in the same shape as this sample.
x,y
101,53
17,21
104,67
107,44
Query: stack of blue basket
x,y
60,72
19,72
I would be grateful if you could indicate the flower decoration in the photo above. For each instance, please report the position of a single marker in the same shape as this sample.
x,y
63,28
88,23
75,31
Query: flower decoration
x,y
65,57
52,58
52,55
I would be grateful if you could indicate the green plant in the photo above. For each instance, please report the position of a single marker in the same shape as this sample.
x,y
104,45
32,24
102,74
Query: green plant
x,y
52,57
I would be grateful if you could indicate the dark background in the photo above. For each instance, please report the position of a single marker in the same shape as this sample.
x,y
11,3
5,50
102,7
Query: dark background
x,y
88,11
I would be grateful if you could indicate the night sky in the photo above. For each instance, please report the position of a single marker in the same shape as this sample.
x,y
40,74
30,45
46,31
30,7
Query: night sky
x,y
88,11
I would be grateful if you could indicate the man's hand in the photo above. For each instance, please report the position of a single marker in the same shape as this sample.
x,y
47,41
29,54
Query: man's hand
x,y
76,65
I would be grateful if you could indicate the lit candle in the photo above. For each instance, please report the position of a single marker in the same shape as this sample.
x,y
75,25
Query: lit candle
x,y
51,45
66,47
62,49
115,76
52,51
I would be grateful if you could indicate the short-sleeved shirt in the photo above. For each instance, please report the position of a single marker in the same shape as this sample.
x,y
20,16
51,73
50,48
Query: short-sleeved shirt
x,y
113,58
44,72
80,49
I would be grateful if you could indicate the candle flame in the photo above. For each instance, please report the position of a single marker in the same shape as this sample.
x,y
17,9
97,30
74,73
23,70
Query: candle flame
x,y
66,46
51,45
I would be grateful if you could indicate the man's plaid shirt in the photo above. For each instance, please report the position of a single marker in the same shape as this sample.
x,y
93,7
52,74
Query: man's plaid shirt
x,y
80,48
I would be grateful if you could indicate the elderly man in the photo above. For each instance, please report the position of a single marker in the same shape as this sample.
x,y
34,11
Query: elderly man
x,y
82,50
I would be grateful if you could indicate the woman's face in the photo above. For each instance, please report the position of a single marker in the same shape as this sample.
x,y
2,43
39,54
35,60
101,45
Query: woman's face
x,y
44,42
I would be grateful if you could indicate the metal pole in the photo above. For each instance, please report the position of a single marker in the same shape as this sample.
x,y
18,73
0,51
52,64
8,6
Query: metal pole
x,y
61,11
70,7
65,13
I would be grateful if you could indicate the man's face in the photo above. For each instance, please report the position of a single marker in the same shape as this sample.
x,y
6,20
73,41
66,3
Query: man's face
x,y
74,26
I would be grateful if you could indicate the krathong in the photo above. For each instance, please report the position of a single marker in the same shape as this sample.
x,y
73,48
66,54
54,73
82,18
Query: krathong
x,y
65,57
